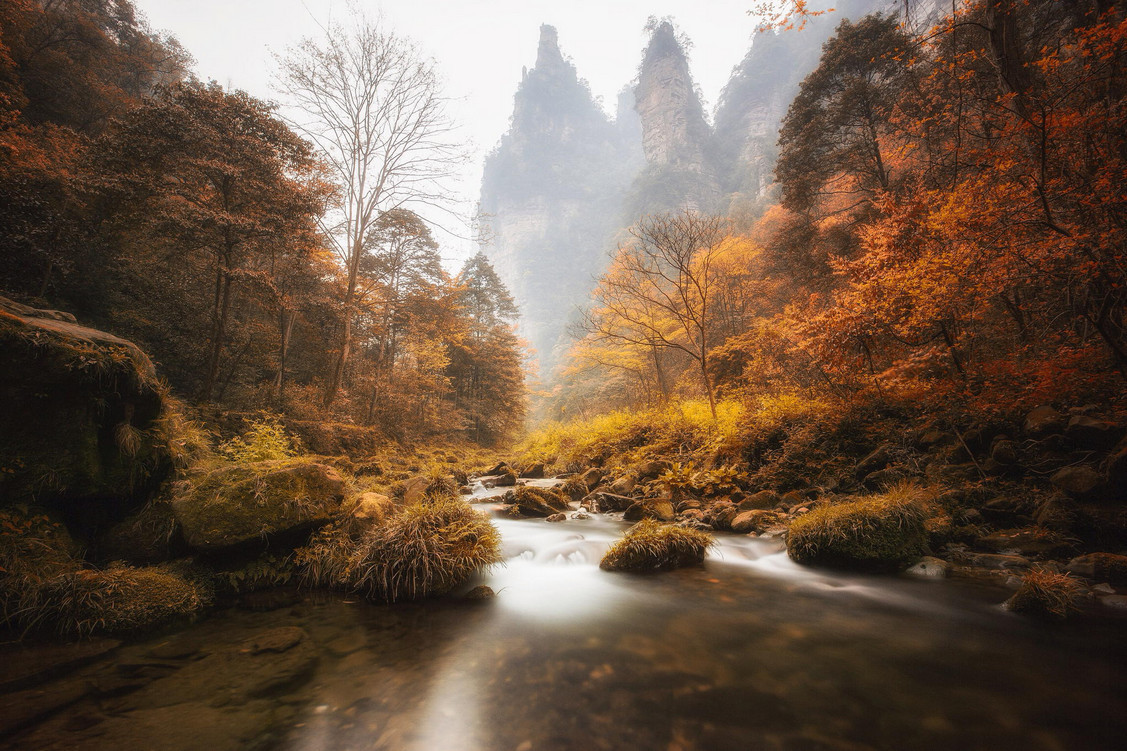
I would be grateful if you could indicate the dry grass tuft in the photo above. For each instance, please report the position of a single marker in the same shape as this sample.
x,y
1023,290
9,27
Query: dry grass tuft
x,y
652,546
422,550
884,532
1046,594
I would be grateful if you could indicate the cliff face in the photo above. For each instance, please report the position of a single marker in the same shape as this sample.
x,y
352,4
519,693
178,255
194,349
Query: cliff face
x,y
550,195
676,137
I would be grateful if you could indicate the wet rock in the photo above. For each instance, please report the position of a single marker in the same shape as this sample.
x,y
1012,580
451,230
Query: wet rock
x,y
531,501
687,505
692,514
1108,567
1080,481
23,708
557,518
534,471
764,499
250,506
265,664
659,510
995,561
29,665
593,477
1090,433
623,485
722,518
1043,421
879,533
1115,602
754,521
480,592
580,515
1025,542
929,567
610,502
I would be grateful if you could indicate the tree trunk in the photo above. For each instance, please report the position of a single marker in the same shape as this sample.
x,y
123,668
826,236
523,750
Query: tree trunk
x,y
218,330
286,323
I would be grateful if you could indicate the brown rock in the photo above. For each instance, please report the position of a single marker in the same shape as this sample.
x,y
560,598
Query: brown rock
x,y
754,521
1090,433
764,499
1102,567
1080,481
1043,421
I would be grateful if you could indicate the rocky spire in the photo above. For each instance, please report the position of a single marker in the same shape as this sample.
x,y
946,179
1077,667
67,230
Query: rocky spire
x,y
674,131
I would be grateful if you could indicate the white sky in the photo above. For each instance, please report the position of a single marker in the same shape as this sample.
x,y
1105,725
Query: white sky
x,y
479,47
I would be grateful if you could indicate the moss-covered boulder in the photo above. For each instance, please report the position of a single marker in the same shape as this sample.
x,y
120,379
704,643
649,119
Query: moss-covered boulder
x,y
879,533
258,506
80,429
652,546
532,501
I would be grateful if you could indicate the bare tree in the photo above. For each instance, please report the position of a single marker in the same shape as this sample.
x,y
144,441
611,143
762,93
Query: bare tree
x,y
658,293
370,103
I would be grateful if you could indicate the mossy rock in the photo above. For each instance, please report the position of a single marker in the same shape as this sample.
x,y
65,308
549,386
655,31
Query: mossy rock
x,y
258,506
880,533
652,546
152,535
530,501
80,430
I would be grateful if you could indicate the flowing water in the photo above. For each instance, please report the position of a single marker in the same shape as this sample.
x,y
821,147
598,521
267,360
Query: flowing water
x,y
748,652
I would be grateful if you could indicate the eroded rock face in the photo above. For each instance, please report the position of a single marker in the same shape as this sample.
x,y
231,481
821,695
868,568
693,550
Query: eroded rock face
x,y
254,506
79,429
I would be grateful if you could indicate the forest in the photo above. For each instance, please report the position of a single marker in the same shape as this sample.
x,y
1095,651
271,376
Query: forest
x,y
831,453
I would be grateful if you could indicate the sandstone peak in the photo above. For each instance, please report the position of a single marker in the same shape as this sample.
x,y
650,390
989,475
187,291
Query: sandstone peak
x,y
549,48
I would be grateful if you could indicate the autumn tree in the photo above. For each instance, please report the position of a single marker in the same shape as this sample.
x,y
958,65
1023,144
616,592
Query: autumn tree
x,y
212,178
370,104
486,366
660,290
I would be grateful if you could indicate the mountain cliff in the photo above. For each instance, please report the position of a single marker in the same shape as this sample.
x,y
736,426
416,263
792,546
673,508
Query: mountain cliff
x,y
550,194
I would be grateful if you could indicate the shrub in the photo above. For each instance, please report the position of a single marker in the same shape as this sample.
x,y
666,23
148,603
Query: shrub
x,y
883,532
652,546
424,549
265,440
1045,594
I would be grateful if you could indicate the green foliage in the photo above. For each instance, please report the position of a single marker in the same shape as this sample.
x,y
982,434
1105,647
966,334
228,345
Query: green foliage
x,y
265,440
652,546
878,533
262,573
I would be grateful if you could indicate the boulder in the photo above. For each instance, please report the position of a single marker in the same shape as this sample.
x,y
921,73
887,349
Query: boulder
x,y
1028,542
80,427
1080,481
929,567
652,468
754,521
1090,433
1004,452
1043,421
659,510
533,471
559,517
879,533
593,476
258,505
1102,567
723,517
652,546
623,485
764,499
530,501
609,502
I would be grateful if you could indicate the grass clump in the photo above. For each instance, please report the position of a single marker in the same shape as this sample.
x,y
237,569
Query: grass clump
x,y
45,586
265,440
883,532
652,546
422,550
1045,594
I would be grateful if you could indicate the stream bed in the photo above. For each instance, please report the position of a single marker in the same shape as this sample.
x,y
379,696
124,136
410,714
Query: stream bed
x,y
749,652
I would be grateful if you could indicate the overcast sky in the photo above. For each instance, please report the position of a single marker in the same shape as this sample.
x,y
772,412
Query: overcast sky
x,y
479,46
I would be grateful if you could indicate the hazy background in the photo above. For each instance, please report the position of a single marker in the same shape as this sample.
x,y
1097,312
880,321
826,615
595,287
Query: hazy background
x,y
480,48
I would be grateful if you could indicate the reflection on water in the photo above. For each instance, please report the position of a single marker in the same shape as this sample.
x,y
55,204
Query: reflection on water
x,y
750,652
